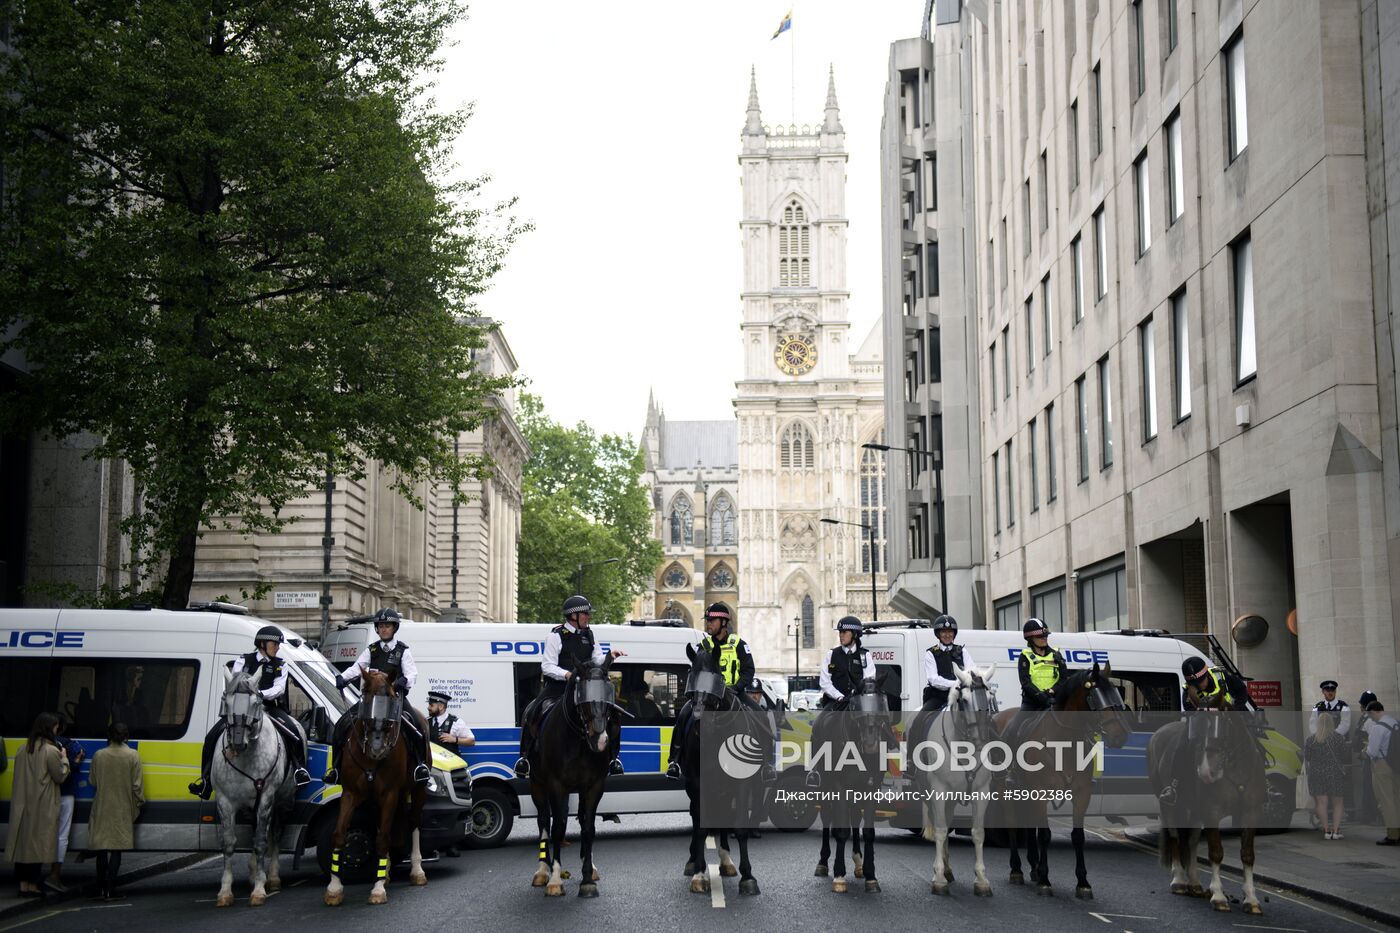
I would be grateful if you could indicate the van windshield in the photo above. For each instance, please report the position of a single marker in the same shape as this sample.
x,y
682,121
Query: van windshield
x,y
322,675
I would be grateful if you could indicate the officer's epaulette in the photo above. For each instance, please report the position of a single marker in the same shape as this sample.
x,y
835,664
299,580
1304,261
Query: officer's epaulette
x,y
559,629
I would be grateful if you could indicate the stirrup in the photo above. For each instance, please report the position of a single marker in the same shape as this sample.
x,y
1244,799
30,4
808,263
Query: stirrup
x,y
301,776
813,779
674,770
615,767
420,774
1167,795
332,776
203,788
522,767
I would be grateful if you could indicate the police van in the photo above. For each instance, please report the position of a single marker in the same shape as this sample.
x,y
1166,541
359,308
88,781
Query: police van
x,y
163,673
1146,668
492,672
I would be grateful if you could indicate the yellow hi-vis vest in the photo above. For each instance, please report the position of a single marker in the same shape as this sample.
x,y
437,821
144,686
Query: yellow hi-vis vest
x,y
728,658
1045,669
1217,688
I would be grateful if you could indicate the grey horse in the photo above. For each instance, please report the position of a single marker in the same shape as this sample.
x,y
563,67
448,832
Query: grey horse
x,y
250,774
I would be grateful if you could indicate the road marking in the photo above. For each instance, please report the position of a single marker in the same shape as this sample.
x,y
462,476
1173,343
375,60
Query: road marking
x,y
716,883
211,900
1104,917
1252,926
54,913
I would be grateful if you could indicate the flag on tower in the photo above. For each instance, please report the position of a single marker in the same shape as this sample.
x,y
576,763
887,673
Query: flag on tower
x,y
784,26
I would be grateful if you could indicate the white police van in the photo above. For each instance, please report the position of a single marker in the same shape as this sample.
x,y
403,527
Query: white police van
x,y
492,672
1146,668
163,674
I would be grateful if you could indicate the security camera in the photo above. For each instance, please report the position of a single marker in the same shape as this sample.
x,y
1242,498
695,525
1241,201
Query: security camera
x,y
1074,575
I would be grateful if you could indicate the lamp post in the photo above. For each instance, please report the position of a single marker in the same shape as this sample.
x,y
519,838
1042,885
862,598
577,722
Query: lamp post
x,y
937,459
578,576
870,529
795,629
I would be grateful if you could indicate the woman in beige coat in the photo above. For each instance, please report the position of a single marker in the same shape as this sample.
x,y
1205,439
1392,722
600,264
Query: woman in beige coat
x,y
115,775
40,766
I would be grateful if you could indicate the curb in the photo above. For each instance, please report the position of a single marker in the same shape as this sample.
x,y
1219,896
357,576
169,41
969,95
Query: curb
x,y
1288,884
77,892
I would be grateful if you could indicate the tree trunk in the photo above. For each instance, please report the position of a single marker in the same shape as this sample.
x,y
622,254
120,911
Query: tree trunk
x,y
179,577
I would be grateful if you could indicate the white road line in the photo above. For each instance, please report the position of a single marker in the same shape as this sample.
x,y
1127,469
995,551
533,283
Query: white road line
x,y
54,913
1104,917
1254,926
716,882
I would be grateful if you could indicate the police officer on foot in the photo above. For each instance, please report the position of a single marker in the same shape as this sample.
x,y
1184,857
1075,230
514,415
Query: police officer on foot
x,y
271,672
565,647
445,728
392,658
735,665
1329,704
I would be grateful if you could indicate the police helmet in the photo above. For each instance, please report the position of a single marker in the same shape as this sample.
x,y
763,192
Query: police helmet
x,y
267,633
755,686
576,604
850,624
1193,669
945,622
387,617
718,611
1033,628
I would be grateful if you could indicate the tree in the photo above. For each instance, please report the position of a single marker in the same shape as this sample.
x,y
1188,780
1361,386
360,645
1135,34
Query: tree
x,y
583,503
229,252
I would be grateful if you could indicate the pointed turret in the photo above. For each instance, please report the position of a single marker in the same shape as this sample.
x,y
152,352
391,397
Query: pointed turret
x,y
832,123
753,126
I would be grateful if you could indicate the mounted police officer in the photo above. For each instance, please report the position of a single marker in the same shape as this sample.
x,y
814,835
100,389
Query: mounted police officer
x,y
392,658
736,665
847,666
445,728
1040,669
271,672
939,661
1330,705
1206,688
566,647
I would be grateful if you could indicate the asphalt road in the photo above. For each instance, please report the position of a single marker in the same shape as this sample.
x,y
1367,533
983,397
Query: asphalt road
x,y
642,888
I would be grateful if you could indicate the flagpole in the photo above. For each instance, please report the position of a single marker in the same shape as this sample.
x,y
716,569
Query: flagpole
x,y
792,71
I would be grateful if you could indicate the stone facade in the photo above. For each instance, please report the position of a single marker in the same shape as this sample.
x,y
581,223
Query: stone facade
x,y
1183,347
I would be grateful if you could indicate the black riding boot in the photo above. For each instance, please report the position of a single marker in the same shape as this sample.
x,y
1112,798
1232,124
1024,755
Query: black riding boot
x,y
338,736
204,788
678,732
417,749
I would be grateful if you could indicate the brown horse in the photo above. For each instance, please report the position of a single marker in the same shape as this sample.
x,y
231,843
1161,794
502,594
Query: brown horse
x,y
1091,705
1227,777
377,768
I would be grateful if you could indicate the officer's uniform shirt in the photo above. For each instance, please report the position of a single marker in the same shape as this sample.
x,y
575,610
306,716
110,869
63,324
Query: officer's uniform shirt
x,y
1340,711
553,643
279,685
408,667
449,724
937,680
829,688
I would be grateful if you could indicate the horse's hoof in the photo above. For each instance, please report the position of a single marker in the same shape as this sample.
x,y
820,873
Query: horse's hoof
x,y
566,875
588,889
838,885
1253,909
1181,888
1197,891
689,869
332,900
1084,892
860,871
418,878
748,886
821,871
699,885
1222,906
273,885
872,886
728,871
1017,878
226,900
595,875
982,889
554,890
949,873
941,888
378,897
1044,890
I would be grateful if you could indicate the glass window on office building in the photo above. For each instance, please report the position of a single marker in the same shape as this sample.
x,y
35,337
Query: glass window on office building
x,y
1176,180
1181,357
1008,612
1048,604
1076,264
1236,116
1148,346
1105,414
1081,424
996,492
1246,359
1103,599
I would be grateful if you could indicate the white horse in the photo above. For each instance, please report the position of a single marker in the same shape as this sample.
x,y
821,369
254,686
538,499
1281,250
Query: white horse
x,y
250,774
967,717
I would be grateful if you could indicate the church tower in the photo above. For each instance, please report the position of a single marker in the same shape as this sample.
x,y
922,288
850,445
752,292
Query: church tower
x,y
805,404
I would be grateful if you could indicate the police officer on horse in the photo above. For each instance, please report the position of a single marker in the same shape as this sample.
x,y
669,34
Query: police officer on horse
x,y
736,665
938,663
271,672
847,666
1206,688
566,647
392,658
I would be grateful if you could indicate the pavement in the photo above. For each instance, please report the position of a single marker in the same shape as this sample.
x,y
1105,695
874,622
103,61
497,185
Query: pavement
x,y
1351,872
80,877
642,888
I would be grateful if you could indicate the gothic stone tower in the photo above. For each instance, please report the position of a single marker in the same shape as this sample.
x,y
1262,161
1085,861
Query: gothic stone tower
x,y
804,404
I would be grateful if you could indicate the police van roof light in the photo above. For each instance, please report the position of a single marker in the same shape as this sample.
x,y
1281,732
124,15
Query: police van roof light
x,y
214,605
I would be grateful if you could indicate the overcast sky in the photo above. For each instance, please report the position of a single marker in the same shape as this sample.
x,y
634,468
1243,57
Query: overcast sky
x,y
616,123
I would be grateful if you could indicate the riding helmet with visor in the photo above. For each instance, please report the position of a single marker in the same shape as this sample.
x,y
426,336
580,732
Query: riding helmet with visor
x,y
267,633
1194,669
945,623
576,604
388,617
1034,628
717,611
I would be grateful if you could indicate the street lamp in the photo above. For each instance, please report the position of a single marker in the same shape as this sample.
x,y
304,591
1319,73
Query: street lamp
x,y
937,459
592,563
795,630
874,606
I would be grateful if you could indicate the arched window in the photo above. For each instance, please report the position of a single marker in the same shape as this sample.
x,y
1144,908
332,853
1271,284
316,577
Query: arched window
x,y
676,577
721,578
675,610
809,623
872,509
722,532
682,520
796,451
794,248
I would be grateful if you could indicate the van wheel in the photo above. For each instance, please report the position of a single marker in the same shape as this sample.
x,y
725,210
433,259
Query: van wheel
x,y
492,816
1278,807
356,856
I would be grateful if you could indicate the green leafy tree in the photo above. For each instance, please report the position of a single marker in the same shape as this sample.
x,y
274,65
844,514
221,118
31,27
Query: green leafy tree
x,y
228,249
583,503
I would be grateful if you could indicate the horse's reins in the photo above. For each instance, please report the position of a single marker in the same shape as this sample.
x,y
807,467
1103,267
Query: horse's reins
x,y
258,783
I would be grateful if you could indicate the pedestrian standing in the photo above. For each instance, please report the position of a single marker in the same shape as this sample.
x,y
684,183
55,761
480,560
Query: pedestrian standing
x,y
1380,730
115,776
1324,752
40,768
67,796
1363,794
